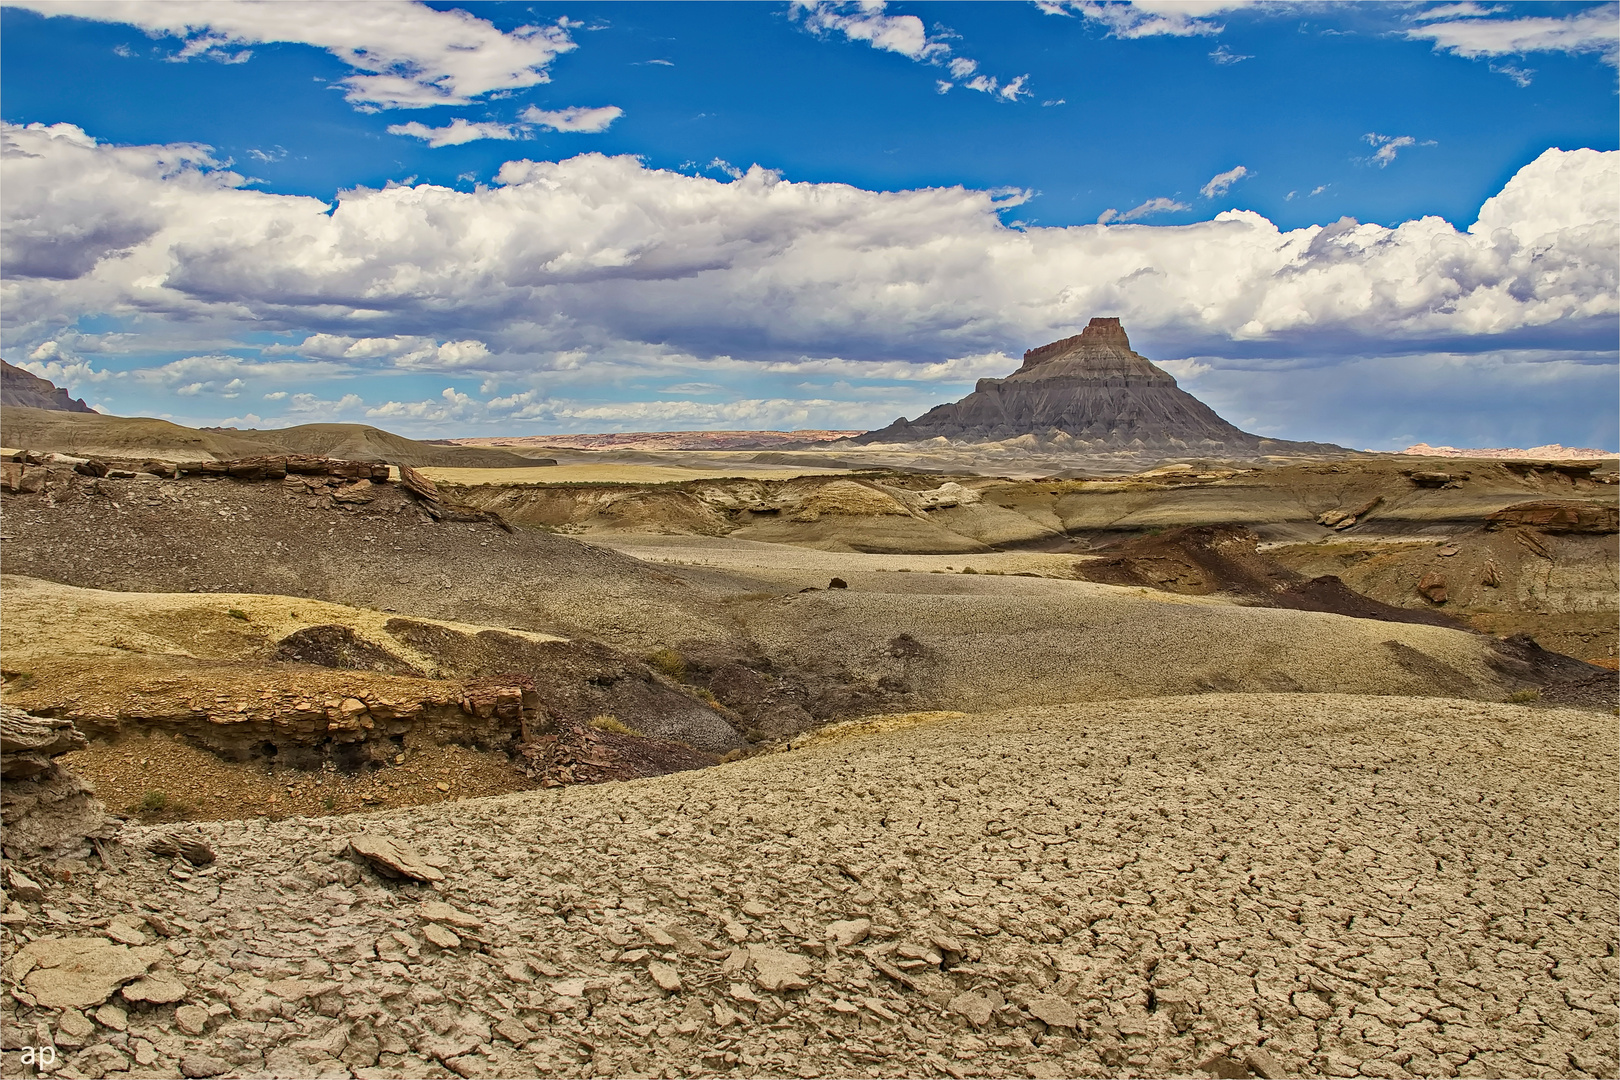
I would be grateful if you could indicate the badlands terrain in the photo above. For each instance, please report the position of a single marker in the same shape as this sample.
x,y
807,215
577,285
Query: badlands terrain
x,y
804,757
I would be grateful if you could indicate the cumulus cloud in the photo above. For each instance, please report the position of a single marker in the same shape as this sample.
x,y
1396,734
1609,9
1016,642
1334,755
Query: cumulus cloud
x,y
457,132
868,21
401,351
574,118
582,261
1468,30
1125,19
1221,181
405,55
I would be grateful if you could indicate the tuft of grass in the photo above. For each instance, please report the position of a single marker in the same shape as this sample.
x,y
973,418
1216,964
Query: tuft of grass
x,y
669,662
969,570
237,613
609,722
1524,697
154,800
329,803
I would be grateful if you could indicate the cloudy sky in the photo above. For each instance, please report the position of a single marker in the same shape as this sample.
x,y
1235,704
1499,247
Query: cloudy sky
x,y
1374,224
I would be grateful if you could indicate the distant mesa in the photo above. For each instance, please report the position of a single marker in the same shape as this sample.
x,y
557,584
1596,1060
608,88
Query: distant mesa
x,y
1549,452
1089,392
27,390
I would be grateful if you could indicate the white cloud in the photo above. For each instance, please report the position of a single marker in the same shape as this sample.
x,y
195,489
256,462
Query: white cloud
x,y
1222,55
406,55
1221,181
402,351
1136,213
903,34
1387,146
1464,30
574,118
457,132
866,20
987,84
571,265
1151,18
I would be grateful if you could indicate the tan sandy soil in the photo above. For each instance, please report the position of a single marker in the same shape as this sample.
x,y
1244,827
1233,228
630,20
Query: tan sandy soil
x,y
197,785
45,621
1320,884
736,554
615,473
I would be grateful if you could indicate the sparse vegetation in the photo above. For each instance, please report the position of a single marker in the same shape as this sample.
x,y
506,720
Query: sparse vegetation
x,y
669,662
237,613
610,723
329,803
154,801
1524,697
969,570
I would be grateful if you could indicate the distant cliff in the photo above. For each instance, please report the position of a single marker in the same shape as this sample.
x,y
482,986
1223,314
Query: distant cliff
x,y
19,387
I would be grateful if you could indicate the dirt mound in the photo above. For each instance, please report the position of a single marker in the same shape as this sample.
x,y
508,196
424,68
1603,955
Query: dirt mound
x,y
338,647
1209,559
230,535
94,435
361,442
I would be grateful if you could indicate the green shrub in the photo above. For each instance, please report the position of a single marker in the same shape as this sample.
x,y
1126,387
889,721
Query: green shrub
x,y
237,613
1524,697
154,800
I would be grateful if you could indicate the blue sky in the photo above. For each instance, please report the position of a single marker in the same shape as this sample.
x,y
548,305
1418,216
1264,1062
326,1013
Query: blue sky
x,y
270,214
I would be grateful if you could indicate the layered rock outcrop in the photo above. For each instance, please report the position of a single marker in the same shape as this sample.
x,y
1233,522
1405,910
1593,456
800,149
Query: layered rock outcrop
x,y
1091,391
43,807
25,389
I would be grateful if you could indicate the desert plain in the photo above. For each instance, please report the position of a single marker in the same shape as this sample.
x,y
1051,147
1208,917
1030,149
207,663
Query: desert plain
x,y
805,758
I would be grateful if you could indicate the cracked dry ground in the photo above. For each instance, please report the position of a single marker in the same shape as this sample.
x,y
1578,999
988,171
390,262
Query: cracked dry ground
x,y
1354,885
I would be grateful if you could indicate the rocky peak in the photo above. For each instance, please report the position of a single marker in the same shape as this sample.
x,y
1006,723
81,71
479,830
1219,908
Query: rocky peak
x,y
1099,331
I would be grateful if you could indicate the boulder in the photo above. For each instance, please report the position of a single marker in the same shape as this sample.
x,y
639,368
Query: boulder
x,y
1433,587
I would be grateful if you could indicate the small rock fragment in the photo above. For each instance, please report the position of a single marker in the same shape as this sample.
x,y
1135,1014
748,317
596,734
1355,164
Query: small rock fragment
x,y
847,932
191,1019
19,886
111,1016
440,936
1263,1064
202,1065
777,969
440,912
1052,1011
975,1007
73,1029
393,859
667,978
157,989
